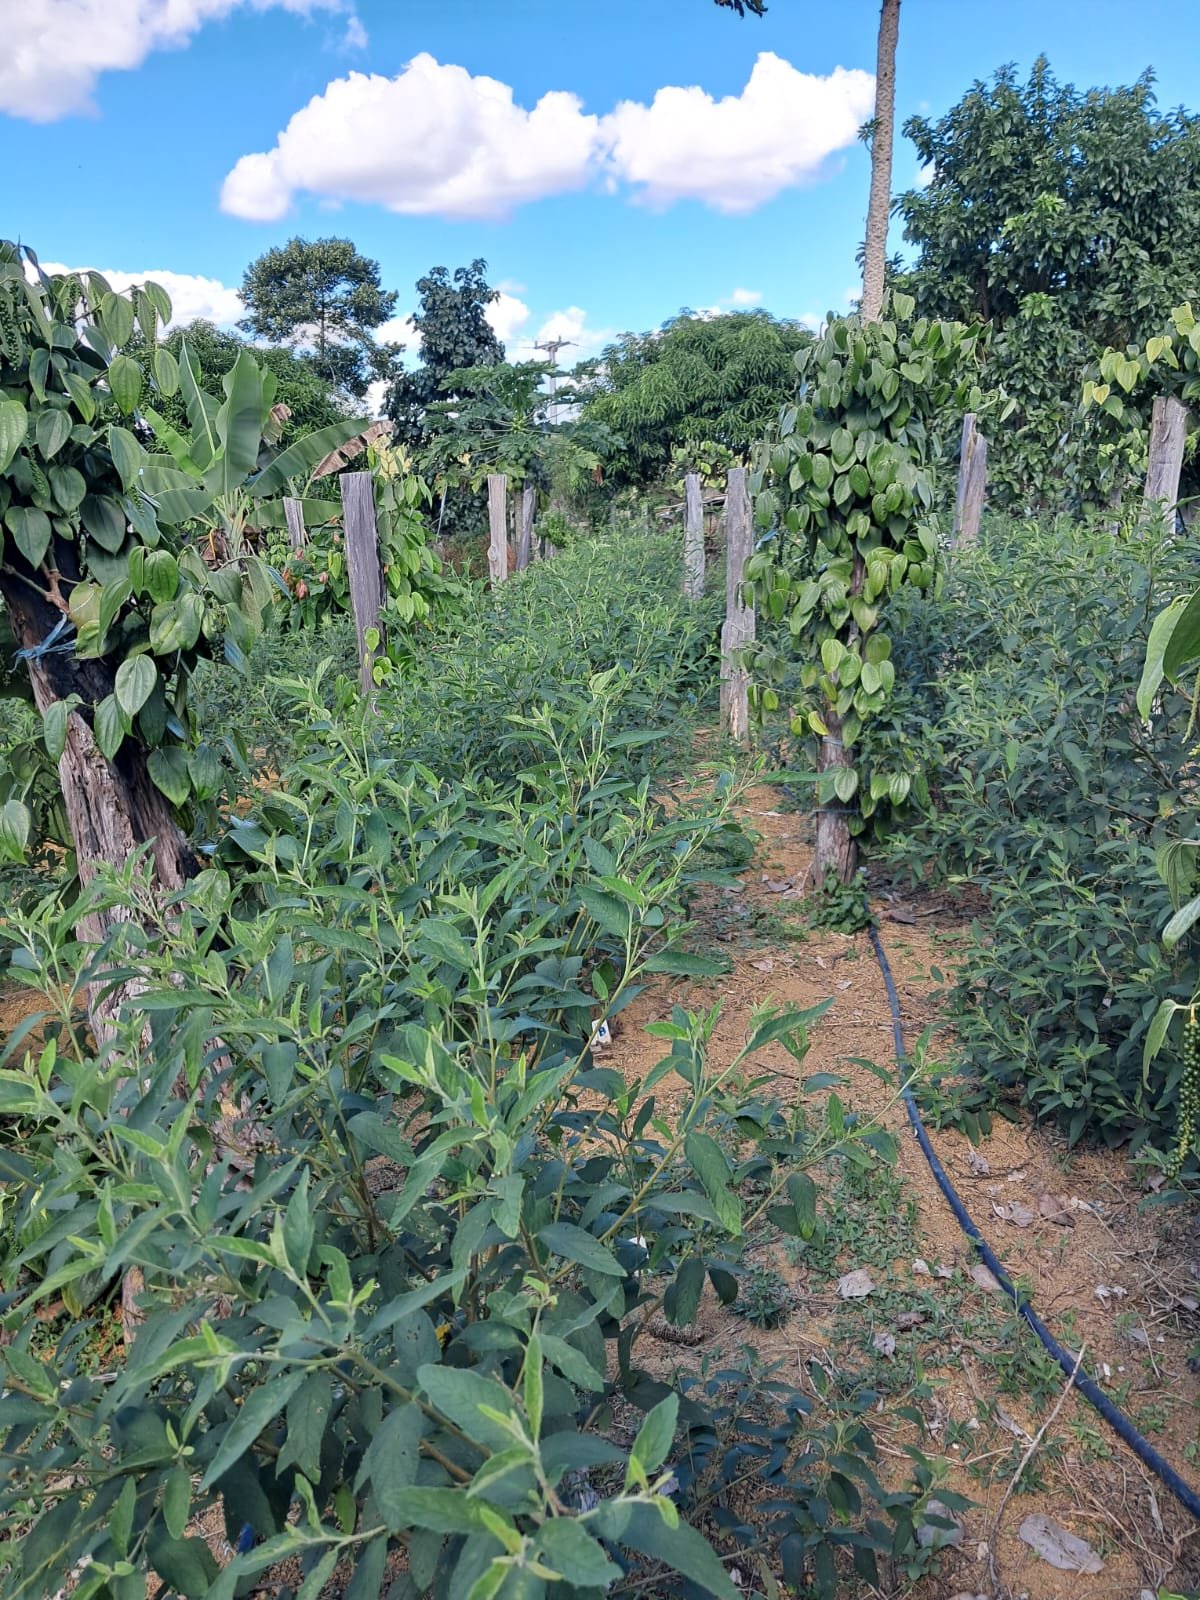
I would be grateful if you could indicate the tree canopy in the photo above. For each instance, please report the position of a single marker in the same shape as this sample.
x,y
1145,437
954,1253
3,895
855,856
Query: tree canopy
x,y
698,379
1069,219
455,336
324,299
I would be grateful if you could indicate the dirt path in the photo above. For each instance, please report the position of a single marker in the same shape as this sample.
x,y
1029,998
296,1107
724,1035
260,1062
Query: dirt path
x,y
980,1380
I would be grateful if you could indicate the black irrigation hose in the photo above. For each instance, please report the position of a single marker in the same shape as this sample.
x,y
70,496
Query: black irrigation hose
x,y
1088,1387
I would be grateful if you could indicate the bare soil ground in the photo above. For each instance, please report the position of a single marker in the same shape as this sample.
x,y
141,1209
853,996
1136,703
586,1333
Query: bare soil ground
x,y
1106,1273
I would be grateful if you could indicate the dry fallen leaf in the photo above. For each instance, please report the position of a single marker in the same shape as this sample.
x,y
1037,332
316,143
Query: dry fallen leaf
x,y
985,1279
909,1319
899,914
1016,1213
1105,1292
1054,1544
942,1270
854,1285
777,885
921,1267
764,966
1056,1209
884,1343
979,1164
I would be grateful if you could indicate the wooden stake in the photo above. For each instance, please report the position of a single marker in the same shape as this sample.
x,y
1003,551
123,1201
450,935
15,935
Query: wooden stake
x,y
525,533
972,483
738,630
1168,431
693,539
294,512
362,564
498,528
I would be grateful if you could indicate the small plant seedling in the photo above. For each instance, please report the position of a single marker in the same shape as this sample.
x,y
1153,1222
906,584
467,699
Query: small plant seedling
x,y
765,1300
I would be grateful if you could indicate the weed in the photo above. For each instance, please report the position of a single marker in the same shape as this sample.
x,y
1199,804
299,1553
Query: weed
x,y
765,1300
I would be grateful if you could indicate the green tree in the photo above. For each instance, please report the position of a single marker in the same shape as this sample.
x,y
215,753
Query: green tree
x,y
1068,219
103,588
323,298
455,336
697,380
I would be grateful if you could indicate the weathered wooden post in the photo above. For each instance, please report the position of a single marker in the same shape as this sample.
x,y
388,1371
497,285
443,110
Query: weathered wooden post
x,y
362,565
693,538
738,630
498,528
294,512
525,533
1168,431
972,483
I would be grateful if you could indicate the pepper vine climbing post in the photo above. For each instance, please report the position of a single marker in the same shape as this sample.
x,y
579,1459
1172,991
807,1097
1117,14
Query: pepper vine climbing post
x,y
293,513
738,630
497,527
1168,431
693,538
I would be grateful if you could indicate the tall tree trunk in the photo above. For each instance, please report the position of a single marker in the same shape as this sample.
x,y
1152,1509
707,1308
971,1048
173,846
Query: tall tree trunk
x,y
875,250
836,851
112,806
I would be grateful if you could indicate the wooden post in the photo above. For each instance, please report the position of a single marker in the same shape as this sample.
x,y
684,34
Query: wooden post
x,y
693,539
1168,430
294,512
362,565
525,533
972,483
498,528
738,630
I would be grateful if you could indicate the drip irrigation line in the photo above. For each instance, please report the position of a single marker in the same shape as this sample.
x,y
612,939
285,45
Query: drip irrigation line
x,y
1086,1385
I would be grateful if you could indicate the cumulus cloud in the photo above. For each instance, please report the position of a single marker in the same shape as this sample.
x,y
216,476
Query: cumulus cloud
x,y
192,296
58,48
737,152
507,315
743,298
437,140
433,140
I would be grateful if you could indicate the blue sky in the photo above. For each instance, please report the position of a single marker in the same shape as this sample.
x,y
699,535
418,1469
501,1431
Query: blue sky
x,y
143,136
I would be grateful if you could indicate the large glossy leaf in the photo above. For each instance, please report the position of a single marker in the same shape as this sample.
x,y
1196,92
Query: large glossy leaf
x,y
14,420
1183,646
31,530
299,459
179,447
239,427
201,410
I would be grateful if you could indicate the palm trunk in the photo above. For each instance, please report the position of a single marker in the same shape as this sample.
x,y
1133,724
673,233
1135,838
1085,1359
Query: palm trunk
x,y
112,806
875,249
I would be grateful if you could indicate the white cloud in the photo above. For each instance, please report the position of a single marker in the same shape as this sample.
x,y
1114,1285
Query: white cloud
x,y
737,152
191,295
58,48
744,298
397,330
436,140
507,315
432,141
355,37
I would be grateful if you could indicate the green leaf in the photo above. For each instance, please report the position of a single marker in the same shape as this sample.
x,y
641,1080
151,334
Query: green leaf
x,y
31,530
565,1546
606,910
136,677
52,430
161,575
575,1244
681,1548
391,1462
186,1566
711,1167
655,1437
299,459
16,825
442,1511
177,1500
239,427
14,422
461,1395
166,372
298,1228
260,1407
175,624
127,455
1157,1032
110,726
105,520
125,383
80,391
168,770
308,1415
1180,923
54,727
68,486
533,1385
116,318
684,964
1183,644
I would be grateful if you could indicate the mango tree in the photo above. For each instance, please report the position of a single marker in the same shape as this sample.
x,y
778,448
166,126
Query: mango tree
x,y
108,599
844,500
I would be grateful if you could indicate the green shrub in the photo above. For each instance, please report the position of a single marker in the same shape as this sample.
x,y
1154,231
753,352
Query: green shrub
x,y
1050,798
